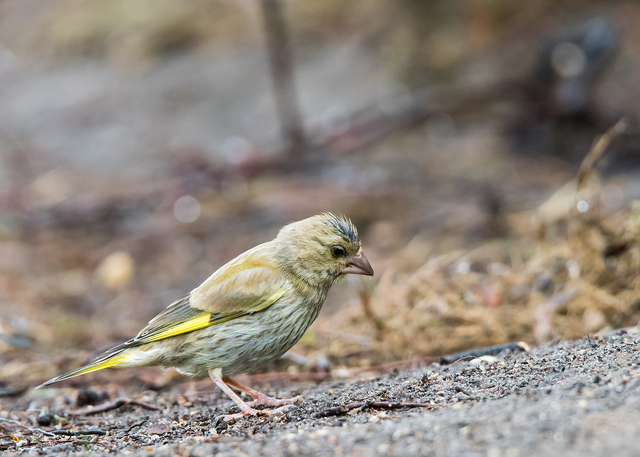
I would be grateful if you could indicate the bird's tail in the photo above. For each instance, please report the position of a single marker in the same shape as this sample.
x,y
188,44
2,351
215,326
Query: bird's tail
x,y
111,358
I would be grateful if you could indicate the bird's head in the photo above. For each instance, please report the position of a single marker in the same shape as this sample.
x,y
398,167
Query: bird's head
x,y
322,249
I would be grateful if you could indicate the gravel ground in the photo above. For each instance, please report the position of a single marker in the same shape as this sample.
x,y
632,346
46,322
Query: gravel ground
x,y
568,398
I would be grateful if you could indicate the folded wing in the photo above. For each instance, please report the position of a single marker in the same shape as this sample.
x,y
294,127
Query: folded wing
x,y
244,286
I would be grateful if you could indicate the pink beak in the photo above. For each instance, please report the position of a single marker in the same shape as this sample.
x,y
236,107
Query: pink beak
x,y
358,265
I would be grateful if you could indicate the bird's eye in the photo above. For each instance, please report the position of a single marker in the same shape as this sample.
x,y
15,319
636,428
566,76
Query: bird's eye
x,y
338,251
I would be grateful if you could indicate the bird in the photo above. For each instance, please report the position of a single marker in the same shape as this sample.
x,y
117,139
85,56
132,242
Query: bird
x,y
250,311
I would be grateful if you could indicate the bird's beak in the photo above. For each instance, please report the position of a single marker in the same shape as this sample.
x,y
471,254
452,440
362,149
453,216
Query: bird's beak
x,y
358,265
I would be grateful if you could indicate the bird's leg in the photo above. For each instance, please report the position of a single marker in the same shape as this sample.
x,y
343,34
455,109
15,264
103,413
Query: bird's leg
x,y
260,398
245,409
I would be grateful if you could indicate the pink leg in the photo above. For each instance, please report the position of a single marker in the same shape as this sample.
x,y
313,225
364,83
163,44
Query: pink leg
x,y
261,399
245,409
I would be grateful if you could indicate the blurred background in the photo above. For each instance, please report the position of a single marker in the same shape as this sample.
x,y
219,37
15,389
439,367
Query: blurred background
x,y
143,143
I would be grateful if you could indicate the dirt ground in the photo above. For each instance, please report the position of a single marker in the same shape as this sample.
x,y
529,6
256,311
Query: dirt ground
x,y
140,151
564,398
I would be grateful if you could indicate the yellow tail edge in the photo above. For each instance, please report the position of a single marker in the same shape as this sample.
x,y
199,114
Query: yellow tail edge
x,y
112,361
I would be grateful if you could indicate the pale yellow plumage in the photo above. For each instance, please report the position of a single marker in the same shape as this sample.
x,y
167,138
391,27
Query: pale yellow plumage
x,y
249,311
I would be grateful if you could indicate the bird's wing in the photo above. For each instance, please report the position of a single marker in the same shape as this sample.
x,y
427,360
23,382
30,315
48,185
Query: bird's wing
x,y
244,286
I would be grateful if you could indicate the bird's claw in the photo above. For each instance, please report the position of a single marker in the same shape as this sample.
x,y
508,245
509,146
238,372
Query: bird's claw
x,y
270,401
249,412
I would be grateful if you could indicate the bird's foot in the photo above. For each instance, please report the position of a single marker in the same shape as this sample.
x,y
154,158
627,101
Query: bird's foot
x,y
262,399
246,408
248,412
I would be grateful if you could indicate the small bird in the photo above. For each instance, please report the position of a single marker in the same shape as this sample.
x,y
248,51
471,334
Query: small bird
x,y
250,311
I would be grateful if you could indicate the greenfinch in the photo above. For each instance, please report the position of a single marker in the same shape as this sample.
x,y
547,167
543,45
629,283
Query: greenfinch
x,y
250,311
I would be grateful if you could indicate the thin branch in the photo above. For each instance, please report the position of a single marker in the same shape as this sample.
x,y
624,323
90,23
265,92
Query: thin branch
x,y
78,432
599,147
11,421
480,352
26,427
341,410
115,404
137,424
365,301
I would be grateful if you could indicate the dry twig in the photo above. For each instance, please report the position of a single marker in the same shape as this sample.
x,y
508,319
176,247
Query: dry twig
x,y
137,424
600,145
340,410
490,350
365,301
78,432
26,427
115,404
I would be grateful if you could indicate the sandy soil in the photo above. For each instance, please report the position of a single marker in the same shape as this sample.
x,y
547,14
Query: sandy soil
x,y
565,398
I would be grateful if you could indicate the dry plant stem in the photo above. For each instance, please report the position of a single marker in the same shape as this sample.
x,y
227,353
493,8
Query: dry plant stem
x,y
11,421
115,404
365,300
599,147
31,430
78,432
473,353
340,410
137,424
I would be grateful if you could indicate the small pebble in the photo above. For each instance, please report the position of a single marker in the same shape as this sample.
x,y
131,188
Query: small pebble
x,y
45,419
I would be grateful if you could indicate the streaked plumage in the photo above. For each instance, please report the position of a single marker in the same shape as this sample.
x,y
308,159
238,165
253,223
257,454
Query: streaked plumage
x,y
250,311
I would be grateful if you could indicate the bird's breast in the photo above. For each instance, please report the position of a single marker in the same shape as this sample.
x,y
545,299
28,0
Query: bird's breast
x,y
244,343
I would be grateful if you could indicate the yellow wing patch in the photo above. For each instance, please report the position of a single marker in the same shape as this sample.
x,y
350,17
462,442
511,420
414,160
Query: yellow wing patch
x,y
206,319
195,323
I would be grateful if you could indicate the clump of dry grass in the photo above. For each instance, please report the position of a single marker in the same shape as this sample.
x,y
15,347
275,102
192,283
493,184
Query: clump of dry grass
x,y
571,273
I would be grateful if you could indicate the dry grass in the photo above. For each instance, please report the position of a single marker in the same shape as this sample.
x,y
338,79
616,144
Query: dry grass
x,y
568,274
